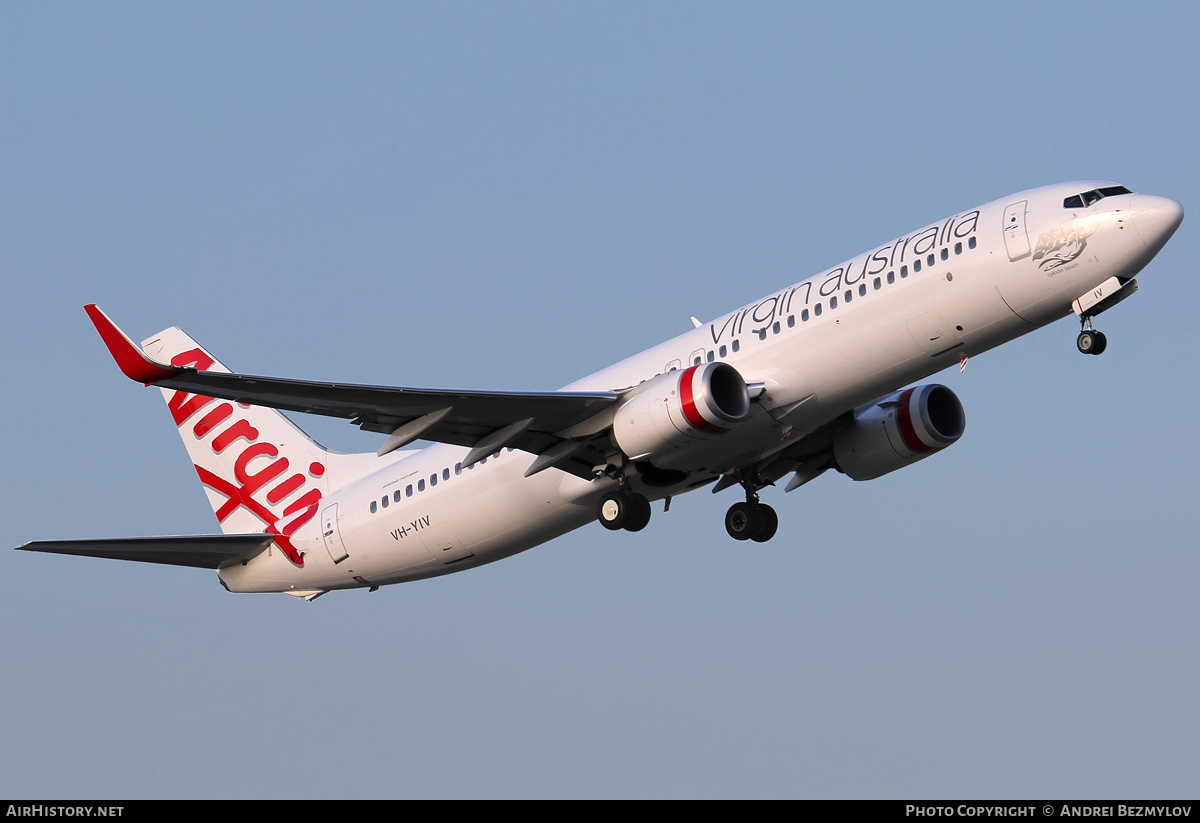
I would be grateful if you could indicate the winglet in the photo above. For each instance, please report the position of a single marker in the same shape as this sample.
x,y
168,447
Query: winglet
x,y
130,359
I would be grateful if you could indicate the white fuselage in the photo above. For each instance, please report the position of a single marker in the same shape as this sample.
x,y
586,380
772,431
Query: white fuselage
x,y
822,347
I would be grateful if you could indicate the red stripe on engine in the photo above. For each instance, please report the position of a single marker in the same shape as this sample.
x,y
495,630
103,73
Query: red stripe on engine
x,y
907,430
688,402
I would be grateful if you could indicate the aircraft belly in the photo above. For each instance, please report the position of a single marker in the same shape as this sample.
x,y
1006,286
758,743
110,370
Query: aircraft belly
x,y
488,521
521,504
272,571
376,547
529,522
385,563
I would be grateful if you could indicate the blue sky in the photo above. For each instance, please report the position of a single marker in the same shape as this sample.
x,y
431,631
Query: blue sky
x,y
510,196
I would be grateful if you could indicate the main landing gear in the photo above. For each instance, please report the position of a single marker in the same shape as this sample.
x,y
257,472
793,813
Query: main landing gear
x,y
622,508
626,510
1090,341
751,520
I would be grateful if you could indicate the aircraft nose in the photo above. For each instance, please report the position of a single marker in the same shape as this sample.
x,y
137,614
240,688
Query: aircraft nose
x,y
1156,219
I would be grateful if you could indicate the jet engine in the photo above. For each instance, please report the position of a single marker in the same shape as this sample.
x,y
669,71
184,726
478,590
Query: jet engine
x,y
899,430
679,410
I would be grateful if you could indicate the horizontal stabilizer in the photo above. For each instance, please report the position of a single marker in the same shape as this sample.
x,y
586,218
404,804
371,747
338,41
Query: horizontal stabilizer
x,y
205,551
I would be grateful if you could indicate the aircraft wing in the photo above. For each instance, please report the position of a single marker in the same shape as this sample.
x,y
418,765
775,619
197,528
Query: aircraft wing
x,y
485,421
205,551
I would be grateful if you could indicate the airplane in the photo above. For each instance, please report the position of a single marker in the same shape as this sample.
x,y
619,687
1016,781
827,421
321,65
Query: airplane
x,y
809,378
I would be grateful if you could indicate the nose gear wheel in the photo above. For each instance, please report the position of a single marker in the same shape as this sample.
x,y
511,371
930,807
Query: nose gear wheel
x,y
1090,341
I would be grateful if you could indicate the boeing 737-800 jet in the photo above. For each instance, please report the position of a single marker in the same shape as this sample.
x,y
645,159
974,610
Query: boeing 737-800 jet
x,y
806,379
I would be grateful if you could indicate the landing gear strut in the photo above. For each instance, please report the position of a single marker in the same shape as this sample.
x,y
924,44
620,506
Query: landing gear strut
x,y
623,509
1090,341
751,520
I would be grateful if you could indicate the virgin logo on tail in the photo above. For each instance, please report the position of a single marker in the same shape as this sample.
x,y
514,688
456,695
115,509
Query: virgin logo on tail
x,y
224,430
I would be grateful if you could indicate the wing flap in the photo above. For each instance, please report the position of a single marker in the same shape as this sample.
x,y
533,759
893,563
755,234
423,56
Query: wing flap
x,y
205,551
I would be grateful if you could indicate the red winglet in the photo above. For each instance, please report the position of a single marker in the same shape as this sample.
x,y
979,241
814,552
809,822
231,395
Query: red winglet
x,y
130,359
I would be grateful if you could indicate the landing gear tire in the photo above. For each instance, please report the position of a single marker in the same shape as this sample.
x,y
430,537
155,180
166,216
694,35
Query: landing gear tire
x,y
614,510
770,524
751,521
743,521
624,510
639,513
1091,342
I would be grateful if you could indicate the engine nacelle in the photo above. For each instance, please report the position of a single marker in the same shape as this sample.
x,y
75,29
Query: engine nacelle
x,y
680,410
899,430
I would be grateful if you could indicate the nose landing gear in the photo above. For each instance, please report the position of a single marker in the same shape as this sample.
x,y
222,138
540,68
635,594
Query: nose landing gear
x,y
1090,341
1102,298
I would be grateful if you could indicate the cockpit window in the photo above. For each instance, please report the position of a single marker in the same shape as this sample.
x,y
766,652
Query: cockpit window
x,y
1087,198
